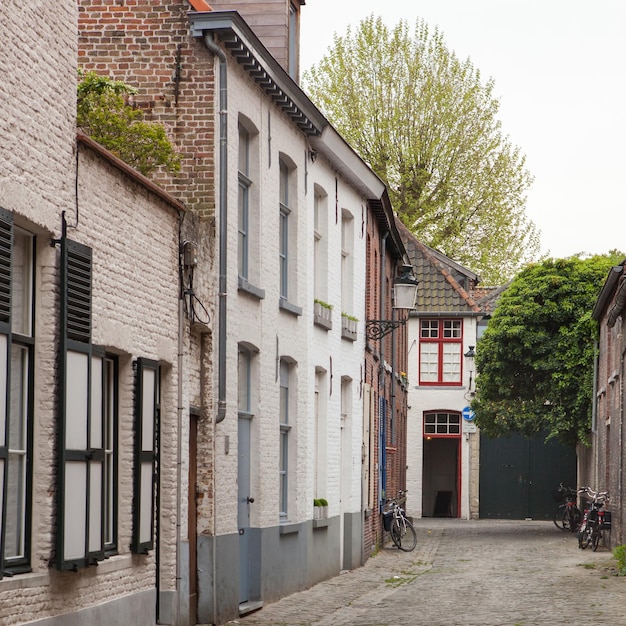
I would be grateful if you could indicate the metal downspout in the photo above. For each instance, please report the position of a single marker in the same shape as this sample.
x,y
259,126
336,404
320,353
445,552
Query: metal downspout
x,y
179,456
381,370
223,231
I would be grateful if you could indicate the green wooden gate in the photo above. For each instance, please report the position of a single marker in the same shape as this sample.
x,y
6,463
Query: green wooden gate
x,y
518,475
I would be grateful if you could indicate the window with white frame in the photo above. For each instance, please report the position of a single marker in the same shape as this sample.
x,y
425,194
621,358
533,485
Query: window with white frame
x,y
320,245
283,233
248,202
442,423
244,202
440,351
286,421
320,454
347,262
16,377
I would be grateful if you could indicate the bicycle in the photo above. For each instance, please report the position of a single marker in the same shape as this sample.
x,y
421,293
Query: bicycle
x,y
595,519
395,521
567,515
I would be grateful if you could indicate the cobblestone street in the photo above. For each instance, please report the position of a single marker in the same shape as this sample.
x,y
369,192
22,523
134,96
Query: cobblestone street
x,y
487,572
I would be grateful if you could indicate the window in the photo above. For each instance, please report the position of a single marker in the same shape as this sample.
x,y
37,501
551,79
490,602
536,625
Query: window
x,y
81,476
244,202
320,245
347,262
442,423
16,376
440,352
286,417
147,409
283,243
321,433
109,413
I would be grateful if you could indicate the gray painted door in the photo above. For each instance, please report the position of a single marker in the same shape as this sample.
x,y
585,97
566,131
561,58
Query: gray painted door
x,y
243,508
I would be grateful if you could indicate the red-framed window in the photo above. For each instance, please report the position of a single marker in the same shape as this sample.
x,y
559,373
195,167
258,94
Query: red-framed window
x,y
440,353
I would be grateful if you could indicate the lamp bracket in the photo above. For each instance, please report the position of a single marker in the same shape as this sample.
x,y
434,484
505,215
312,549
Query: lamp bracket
x,y
376,329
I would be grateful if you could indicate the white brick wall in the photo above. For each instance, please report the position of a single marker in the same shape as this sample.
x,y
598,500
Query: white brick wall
x,y
275,333
135,245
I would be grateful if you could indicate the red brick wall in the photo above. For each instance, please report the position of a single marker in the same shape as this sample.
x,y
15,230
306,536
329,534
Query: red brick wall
x,y
147,45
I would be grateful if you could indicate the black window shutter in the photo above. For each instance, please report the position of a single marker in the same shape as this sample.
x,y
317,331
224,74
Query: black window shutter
x,y
80,539
6,249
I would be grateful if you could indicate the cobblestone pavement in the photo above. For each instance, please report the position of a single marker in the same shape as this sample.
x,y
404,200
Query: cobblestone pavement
x,y
462,573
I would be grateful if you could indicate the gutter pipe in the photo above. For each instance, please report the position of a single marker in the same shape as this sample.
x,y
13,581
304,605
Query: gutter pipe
x,y
209,42
212,46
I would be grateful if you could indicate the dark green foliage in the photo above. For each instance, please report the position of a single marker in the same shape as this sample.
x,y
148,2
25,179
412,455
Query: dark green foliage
x,y
535,360
104,112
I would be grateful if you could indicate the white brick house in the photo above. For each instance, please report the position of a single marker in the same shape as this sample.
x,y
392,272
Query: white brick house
x,y
291,429
88,351
442,444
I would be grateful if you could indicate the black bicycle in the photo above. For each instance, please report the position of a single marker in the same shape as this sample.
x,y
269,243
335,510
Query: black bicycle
x,y
595,520
395,521
567,516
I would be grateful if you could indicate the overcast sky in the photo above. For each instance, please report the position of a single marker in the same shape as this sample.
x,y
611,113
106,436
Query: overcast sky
x,y
559,68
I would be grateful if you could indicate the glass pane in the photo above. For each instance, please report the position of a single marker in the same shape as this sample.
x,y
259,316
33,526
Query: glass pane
x,y
76,411
75,510
3,388
19,398
1,491
429,362
429,429
95,506
147,413
22,283
244,143
244,382
95,436
452,362
145,515
15,513
454,429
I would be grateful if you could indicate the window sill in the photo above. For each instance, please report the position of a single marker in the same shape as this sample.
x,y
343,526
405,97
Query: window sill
x,y
348,334
285,305
288,528
322,322
246,287
320,523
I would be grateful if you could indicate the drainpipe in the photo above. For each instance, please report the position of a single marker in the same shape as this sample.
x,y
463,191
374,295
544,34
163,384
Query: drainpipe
x,y
209,42
381,370
179,456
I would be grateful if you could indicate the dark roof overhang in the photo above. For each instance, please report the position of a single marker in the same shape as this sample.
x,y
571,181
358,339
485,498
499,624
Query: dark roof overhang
x,y
246,48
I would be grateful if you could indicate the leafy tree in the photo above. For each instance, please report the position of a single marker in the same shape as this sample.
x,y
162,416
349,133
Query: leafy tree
x,y
105,112
535,360
426,124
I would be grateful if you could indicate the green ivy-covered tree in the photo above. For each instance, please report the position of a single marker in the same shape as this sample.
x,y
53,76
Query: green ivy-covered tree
x,y
427,124
104,112
535,360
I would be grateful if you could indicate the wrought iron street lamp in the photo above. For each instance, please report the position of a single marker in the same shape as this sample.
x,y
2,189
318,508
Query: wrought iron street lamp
x,y
404,293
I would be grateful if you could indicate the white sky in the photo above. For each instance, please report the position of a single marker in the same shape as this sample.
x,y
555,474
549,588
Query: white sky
x,y
559,68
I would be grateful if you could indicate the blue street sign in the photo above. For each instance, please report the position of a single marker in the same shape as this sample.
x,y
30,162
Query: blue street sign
x,y
468,414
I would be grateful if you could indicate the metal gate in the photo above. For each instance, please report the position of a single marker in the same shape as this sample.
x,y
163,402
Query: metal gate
x,y
518,475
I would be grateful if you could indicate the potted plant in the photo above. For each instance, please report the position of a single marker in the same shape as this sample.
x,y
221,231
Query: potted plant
x,y
348,326
320,508
322,313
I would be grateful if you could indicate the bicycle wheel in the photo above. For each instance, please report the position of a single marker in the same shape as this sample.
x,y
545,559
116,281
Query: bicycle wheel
x,y
575,518
584,537
396,533
595,538
407,537
559,517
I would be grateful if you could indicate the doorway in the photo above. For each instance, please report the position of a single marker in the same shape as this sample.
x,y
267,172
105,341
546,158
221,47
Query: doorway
x,y
441,492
